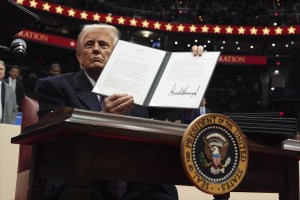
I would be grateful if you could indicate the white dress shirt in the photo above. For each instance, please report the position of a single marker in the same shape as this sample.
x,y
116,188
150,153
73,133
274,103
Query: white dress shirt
x,y
202,110
12,83
93,84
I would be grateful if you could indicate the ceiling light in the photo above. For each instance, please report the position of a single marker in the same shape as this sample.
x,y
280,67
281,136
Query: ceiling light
x,y
145,33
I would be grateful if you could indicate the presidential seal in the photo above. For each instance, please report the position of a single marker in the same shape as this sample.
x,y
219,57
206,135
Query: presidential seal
x,y
214,154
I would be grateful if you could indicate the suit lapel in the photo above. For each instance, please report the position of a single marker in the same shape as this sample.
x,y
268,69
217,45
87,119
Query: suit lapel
x,y
84,92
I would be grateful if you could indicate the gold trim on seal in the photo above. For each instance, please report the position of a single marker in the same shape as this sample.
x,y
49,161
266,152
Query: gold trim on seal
x,y
214,154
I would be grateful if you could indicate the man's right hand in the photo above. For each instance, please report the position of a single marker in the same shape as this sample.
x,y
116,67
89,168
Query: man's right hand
x,y
118,104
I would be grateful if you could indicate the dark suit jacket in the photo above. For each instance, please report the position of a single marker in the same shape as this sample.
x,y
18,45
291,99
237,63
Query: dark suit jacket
x,y
19,93
74,90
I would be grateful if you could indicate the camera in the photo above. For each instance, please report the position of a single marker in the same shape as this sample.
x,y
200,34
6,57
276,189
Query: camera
x,y
18,48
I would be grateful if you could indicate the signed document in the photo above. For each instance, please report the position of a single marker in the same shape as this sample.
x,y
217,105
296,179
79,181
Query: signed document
x,y
155,77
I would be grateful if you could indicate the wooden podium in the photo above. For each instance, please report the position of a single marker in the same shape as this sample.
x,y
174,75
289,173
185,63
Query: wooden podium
x,y
82,146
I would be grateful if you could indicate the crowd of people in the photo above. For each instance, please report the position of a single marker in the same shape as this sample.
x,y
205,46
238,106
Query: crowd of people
x,y
15,83
262,12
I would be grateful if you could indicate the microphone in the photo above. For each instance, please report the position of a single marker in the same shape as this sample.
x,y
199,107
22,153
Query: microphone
x,y
18,48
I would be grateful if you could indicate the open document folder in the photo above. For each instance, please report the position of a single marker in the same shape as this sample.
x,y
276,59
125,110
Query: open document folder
x,y
157,78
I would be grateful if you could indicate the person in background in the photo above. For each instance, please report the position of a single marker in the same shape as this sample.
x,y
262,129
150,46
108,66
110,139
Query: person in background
x,y
55,69
8,104
95,45
16,85
202,110
188,115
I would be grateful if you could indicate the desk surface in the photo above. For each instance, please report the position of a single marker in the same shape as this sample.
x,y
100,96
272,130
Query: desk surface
x,y
131,128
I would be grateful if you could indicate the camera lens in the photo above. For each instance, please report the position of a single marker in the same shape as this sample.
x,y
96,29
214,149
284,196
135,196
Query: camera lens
x,y
18,48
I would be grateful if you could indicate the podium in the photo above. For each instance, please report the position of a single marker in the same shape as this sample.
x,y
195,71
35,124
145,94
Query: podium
x,y
83,146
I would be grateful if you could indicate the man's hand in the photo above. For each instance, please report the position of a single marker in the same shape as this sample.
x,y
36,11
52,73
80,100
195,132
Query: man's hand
x,y
118,104
197,50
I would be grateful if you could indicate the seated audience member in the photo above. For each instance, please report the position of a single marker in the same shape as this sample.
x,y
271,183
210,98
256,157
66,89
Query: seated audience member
x,y
55,69
95,45
8,104
16,85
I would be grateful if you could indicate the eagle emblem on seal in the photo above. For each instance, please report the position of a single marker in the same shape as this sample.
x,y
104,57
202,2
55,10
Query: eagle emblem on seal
x,y
215,147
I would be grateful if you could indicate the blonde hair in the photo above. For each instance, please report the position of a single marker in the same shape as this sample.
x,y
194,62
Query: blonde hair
x,y
114,32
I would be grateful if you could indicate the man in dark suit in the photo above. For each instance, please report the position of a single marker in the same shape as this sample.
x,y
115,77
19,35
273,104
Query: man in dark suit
x,y
202,110
16,85
95,45
8,105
